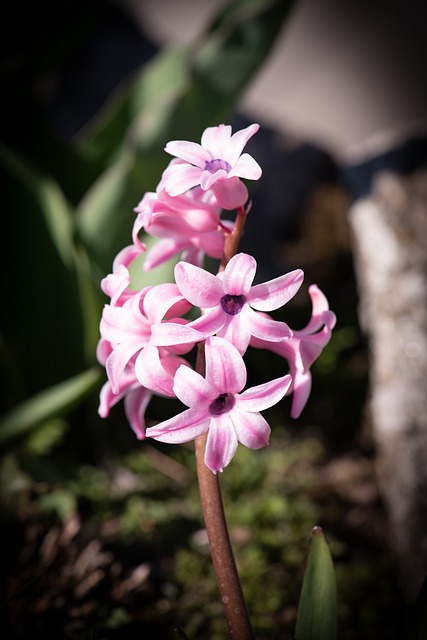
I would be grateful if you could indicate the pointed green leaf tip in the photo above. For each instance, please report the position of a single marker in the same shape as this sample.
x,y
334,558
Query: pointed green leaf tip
x,y
317,612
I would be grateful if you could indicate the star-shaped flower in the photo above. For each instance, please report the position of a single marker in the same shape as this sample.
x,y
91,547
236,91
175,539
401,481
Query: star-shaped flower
x,y
217,164
217,406
229,301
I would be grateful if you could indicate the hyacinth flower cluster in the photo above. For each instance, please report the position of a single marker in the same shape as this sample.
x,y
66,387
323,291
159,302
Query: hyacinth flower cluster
x,y
147,335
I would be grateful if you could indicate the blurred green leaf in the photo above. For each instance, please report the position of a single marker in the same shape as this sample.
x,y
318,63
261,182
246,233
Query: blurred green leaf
x,y
139,111
48,404
317,612
227,56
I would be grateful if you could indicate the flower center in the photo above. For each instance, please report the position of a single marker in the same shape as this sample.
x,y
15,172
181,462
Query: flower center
x,y
224,402
216,165
232,304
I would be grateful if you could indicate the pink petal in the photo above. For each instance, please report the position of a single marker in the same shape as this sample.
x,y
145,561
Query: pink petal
x,y
246,167
236,331
230,193
193,389
225,369
162,251
170,334
207,179
189,151
179,178
198,286
264,327
252,430
211,322
117,361
301,392
238,142
264,395
135,403
181,428
221,444
320,314
275,293
151,373
239,274
216,139
159,300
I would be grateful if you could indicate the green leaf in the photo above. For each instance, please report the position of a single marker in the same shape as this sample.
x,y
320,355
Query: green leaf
x,y
229,54
317,612
48,404
140,109
417,618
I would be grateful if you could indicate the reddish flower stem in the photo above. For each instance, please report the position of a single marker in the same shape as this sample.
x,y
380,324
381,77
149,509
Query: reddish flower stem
x,y
211,499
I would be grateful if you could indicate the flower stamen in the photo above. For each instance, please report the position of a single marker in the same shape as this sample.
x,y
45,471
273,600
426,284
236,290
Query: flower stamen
x,y
232,304
223,403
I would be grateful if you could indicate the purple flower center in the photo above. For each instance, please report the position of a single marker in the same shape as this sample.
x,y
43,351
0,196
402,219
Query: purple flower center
x,y
215,165
222,404
232,304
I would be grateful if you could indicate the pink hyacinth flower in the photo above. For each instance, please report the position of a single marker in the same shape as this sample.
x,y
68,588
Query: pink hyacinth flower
x,y
126,332
303,348
188,224
217,406
116,285
217,164
229,301
136,399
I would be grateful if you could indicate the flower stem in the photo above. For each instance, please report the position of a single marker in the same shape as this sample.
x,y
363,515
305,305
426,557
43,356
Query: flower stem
x,y
211,499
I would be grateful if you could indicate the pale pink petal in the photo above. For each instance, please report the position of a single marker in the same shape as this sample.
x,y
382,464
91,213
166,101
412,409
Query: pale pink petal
x,y
221,443
115,284
320,313
169,334
275,293
162,251
159,300
198,286
311,349
265,328
118,359
207,179
103,350
211,322
230,193
225,369
193,389
151,373
238,142
135,404
108,399
180,177
264,395
128,255
189,151
181,428
246,167
301,392
194,256
236,331
252,429
239,274
217,139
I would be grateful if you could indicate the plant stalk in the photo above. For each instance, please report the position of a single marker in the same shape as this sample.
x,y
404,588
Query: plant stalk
x,y
211,499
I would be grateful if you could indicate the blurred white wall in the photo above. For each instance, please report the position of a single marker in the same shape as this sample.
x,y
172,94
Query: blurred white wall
x,y
349,76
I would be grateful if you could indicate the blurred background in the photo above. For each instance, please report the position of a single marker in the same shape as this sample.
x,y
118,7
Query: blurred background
x,y
103,534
